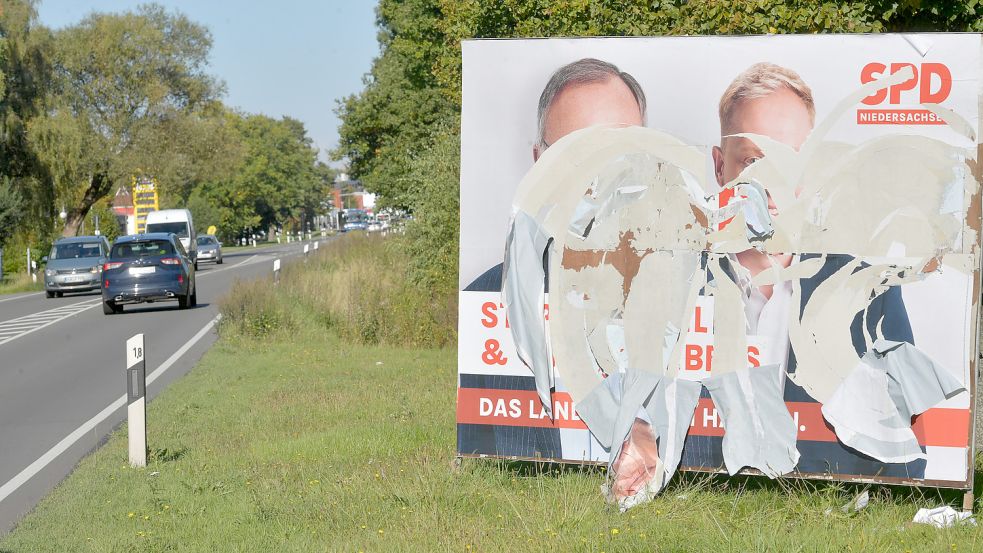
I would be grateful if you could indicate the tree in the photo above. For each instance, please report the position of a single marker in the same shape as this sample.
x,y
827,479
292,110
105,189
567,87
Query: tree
x,y
24,77
412,95
275,178
383,126
119,81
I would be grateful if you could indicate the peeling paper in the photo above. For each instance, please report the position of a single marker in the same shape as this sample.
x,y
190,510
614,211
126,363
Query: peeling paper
x,y
871,410
524,249
666,404
620,216
729,348
921,44
760,433
822,338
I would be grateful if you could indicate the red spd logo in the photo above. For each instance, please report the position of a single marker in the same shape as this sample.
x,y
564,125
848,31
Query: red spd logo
x,y
931,84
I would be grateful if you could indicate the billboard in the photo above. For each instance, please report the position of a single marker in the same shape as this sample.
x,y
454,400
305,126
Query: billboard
x,y
741,254
145,200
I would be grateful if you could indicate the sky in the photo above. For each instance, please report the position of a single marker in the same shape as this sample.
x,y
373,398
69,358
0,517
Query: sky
x,y
289,57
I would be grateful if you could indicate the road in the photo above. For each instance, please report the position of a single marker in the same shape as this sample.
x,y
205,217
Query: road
x,y
62,365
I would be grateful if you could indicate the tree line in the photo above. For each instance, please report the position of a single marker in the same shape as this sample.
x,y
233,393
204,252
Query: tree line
x,y
85,108
401,135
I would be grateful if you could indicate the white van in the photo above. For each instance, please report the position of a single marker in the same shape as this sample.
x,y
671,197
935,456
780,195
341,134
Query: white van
x,y
179,223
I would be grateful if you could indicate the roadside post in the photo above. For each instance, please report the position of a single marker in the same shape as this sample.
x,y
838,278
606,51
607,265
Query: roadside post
x,y
276,271
136,399
315,245
307,249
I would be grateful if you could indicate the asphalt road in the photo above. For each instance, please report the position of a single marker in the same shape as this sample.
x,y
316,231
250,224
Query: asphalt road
x,y
62,371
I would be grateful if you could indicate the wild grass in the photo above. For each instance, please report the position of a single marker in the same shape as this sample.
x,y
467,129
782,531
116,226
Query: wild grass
x,y
20,282
355,286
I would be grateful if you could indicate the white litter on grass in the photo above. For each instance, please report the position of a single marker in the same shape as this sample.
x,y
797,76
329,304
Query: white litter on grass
x,y
378,363
944,517
857,503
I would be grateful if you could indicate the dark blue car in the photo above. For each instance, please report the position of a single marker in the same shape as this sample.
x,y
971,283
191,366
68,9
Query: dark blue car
x,y
147,268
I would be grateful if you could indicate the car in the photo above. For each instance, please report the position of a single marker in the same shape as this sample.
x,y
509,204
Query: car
x,y
179,222
148,268
74,265
209,248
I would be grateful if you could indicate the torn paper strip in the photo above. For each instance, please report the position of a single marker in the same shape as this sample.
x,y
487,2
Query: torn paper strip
x,y
643,421
525,246
871,410
760,432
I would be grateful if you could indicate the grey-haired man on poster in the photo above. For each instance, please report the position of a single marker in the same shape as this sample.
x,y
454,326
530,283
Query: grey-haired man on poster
x,y
581,94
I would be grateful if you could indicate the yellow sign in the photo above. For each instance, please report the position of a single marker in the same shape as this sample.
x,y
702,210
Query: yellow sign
x,y
145,200
211,230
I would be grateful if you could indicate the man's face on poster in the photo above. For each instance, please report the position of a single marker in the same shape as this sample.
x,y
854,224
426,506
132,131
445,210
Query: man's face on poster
x,y
582,105
781,116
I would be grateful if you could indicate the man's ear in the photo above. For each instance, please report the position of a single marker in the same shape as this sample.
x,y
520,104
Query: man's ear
x,y
718,164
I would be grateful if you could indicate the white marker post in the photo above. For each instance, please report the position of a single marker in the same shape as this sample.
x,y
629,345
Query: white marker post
x,y
315,245
276,271
307,248
136,399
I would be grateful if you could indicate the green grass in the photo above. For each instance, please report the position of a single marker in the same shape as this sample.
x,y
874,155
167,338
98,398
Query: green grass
x,y
296,434
13,284
312,443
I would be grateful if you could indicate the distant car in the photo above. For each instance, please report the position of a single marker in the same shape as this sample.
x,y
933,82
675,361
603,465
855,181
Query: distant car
x,y
209,249
148,268
74,265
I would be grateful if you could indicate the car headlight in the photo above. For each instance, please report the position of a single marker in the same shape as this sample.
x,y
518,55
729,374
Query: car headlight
x,y
95,269
49,272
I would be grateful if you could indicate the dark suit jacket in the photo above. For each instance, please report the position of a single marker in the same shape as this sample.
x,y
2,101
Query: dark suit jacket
x,y
888,311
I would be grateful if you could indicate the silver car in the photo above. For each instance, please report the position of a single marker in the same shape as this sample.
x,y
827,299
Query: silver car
x,y
75,265
209,248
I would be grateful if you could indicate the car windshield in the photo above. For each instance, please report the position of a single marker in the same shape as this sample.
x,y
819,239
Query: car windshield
x,y
205,241
179,228
75,250
147,248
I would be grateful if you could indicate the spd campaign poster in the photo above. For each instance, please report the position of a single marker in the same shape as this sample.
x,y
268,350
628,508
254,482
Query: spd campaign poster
x,y
787,221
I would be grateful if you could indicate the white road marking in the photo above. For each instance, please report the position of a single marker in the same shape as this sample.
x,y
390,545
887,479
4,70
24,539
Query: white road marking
x,y
68,441
22,326
21,297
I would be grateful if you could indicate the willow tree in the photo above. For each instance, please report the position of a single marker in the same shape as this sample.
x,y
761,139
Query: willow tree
x,y
120,81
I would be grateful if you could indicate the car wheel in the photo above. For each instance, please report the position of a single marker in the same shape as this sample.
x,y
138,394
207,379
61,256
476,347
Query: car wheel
x,y
196,264
194,297
49,294
59,294
108,308
219,262
182,302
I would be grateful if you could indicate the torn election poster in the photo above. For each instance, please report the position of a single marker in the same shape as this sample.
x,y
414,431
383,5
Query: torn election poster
x,y
731,278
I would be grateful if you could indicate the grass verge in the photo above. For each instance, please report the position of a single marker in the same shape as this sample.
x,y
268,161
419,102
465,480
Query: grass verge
x,y
13,284
313,443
